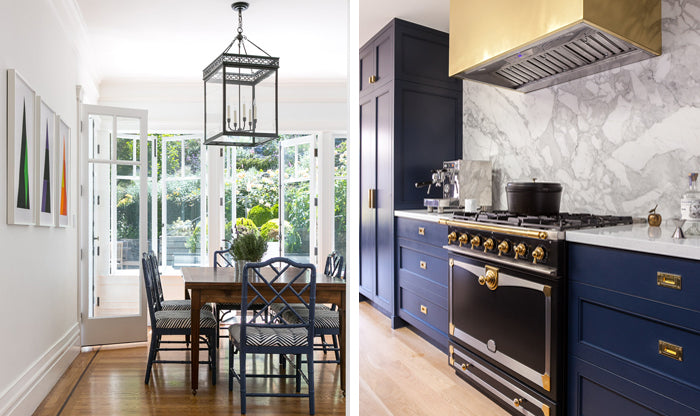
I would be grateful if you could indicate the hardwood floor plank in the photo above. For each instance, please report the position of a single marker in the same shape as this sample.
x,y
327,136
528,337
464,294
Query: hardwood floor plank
x,y
113,385
402,374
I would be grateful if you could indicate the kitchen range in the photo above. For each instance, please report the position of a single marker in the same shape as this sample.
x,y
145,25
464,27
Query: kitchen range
x,y
507,304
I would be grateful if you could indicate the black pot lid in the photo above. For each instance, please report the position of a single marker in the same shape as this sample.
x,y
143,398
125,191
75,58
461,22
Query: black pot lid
x,y
533,187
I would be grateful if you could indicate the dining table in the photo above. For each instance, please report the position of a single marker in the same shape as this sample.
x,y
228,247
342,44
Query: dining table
x,y
224,284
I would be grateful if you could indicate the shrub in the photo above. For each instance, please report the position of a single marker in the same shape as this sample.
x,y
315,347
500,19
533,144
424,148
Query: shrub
x,y
271,230
245,223
260,214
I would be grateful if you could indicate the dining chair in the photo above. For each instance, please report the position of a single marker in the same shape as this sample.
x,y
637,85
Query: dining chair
x,y
272,281
173,304
174,322
327,321
223,258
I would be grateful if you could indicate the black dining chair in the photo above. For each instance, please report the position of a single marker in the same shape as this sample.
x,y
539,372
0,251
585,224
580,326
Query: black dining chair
x,y
174,322
254,335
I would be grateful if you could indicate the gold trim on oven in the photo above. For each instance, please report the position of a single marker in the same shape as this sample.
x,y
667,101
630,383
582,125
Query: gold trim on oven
x,y
542,235
546,382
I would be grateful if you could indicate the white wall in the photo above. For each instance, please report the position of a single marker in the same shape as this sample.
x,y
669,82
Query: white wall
x,y
179,107
620,141
38,281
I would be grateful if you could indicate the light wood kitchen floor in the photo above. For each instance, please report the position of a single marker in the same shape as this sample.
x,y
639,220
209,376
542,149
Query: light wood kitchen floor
x,y
109,381
402,374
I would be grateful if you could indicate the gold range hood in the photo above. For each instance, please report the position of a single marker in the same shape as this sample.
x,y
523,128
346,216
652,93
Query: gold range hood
x,y
526,45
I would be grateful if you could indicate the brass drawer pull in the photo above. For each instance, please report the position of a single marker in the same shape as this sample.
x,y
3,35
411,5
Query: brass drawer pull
x,y
424,309
670,350
423,265
372,196
669,280
372,79
421,231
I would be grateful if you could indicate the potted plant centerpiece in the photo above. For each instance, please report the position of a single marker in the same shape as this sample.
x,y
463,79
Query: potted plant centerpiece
x,y
247,245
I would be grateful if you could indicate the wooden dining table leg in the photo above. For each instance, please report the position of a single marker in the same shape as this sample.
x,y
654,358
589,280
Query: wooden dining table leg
x,y
343,321
195,307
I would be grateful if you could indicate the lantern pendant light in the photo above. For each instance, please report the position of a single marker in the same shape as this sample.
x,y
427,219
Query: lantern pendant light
x,y
240,94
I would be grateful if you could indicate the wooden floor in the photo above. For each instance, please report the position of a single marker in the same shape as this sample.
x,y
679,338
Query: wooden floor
x,y
402,374
110,381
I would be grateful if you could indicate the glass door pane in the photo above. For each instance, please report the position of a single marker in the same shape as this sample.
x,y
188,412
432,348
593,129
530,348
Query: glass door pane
x,y
298,191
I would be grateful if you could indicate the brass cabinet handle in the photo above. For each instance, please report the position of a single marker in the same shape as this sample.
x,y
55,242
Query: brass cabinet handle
x,y
423,265
372,79
421,231
670,350
669,280
372,198
424,309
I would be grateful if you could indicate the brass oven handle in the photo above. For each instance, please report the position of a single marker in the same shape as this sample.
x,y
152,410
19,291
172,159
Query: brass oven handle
x,y
372,198
517,402
490,279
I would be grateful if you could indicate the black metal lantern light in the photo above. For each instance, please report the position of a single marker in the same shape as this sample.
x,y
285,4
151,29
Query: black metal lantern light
x,y
240,94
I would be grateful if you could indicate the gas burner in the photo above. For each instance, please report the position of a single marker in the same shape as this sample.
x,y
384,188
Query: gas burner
x,y
559,222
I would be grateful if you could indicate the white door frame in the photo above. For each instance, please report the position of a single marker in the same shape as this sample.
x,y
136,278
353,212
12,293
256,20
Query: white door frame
x,y
110,330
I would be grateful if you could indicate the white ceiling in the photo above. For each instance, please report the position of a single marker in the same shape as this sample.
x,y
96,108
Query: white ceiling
x,y
173,40
375,14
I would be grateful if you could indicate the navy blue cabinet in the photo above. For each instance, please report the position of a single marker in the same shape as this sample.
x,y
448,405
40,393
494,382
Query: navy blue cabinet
x,y
410,122
634,333
421,278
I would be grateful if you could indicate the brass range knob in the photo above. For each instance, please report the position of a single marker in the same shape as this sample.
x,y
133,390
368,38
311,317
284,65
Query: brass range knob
x,y
520,250
490,279
517,402
488,245
475,241
451,237
463,239
503,247
537,254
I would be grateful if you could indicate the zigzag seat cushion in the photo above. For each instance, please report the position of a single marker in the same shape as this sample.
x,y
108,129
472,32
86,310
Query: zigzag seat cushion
x,y
183,305
278,307
323,319
270,337
181,319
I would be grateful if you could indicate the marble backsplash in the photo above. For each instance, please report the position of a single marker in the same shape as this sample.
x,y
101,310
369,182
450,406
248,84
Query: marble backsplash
x,y
619,142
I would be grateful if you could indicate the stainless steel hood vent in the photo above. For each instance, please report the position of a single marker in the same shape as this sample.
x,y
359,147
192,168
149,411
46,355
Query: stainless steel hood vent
x,y
577,50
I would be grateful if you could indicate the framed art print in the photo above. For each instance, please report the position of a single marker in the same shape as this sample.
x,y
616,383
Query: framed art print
x,y
21,113
63,183
45,156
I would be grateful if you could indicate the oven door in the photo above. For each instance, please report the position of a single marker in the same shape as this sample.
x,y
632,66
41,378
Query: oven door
x,y
507,317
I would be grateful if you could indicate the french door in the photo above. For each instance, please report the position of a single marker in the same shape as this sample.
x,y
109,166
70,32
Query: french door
x,y
113,225
298,198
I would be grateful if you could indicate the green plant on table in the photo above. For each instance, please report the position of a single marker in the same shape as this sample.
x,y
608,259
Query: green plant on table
x,y
247,244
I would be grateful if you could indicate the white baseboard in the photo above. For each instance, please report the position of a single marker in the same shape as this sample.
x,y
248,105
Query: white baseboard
x,y
32,387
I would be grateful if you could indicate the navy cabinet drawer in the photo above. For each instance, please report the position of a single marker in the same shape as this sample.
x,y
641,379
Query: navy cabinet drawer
x,y
596,391
428,289
637,274
623,333
422,309
422,231
427,261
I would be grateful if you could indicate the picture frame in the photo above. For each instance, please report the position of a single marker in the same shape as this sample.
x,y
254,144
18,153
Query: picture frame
x,y
21,113
63,177
45,165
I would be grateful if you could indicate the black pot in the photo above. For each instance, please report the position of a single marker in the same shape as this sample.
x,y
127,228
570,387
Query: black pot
x,y
533,198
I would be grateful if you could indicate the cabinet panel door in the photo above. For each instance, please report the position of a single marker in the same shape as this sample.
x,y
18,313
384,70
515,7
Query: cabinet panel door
x,y
367,67
384,291
368,183
429,126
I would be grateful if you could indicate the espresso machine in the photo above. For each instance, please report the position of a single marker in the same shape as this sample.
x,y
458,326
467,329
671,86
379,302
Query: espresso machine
x,y
446,178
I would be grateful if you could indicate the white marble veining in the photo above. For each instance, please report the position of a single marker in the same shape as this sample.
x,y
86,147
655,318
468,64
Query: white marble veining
x,y
620,141
422,215
640,237
476,182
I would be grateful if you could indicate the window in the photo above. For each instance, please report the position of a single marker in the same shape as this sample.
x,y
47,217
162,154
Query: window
x,y
340,185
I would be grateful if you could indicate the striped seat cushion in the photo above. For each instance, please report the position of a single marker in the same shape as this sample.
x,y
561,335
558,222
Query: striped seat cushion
x,y
323,319
237,306
181,319
278,307
270,337
183,305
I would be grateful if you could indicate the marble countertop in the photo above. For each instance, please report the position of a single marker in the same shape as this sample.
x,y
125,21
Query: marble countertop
x,y
422,214
641,238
